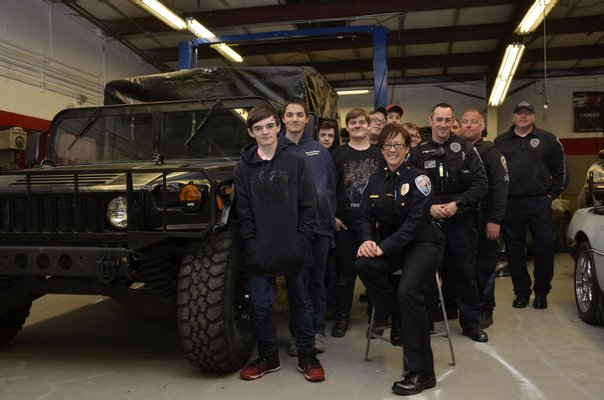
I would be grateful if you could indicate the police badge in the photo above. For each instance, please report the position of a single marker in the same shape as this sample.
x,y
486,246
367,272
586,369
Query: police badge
x,y
404,189
455,147
534,142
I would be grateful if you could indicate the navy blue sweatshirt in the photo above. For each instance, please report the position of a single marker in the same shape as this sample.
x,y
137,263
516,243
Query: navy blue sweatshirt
x,y
324,175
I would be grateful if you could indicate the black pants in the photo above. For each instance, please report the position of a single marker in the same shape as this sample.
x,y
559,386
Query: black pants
x,y
458,270
347,244
486,262
536,214
418,262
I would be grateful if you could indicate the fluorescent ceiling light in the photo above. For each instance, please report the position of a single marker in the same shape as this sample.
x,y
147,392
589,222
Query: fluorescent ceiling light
x,y
162,12
535,15
511,59
352,92
202,32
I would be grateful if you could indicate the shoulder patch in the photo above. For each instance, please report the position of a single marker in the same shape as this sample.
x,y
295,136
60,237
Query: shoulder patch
x,y
423,184
504,163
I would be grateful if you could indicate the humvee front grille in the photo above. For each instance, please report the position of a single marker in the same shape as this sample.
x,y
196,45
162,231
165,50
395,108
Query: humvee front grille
x,y
52,213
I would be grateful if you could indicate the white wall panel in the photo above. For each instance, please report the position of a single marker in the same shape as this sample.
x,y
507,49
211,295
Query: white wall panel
x,y
50,57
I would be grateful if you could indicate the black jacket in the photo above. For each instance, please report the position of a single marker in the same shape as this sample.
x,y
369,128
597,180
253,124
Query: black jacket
x,y
494,202
398,204
536,163
455,169
277,209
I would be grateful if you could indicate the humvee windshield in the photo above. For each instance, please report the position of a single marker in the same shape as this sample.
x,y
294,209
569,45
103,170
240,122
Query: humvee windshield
x,y
176,130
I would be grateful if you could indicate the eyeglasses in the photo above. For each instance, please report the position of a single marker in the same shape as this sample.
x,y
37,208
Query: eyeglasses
x,y
389,146
378,121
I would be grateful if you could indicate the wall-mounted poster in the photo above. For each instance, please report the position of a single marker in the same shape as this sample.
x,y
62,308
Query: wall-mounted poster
x,y
586,110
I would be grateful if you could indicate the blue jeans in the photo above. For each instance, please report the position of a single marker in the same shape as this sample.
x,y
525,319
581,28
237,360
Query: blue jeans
x,y
316,285
262,296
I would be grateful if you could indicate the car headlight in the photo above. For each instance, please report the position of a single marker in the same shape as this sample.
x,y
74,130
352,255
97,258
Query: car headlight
x,y
117,212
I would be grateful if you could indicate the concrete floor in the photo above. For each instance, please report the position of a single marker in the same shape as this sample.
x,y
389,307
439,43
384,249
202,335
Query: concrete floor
x,y
89,348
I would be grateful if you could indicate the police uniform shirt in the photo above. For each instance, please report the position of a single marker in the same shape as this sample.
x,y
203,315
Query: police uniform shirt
x,y
398,202
536,163
455,169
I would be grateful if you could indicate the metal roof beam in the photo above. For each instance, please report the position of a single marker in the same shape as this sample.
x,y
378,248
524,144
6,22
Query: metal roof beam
x,y
298,12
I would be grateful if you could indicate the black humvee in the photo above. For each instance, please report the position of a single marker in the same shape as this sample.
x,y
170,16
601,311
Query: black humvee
x,y
135,201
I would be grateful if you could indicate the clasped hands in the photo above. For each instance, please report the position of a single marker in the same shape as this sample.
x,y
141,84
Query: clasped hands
x,y
370,249
442,211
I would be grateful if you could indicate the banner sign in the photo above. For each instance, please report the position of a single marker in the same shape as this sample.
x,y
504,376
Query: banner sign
x,y
586,111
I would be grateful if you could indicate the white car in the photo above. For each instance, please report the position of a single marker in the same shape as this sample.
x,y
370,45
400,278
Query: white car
x,y
586,235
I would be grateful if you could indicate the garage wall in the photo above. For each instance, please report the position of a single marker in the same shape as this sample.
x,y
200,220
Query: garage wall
x,y
51,59
418,100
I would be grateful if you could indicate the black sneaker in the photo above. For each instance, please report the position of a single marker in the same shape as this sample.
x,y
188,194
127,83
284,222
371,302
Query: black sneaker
x,y
265,363
339,328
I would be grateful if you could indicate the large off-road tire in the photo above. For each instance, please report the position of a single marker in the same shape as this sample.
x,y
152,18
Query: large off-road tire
x,y
12,321
588,296
214,321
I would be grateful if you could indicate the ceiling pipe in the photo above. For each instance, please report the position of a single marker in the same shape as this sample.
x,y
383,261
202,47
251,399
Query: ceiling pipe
x,y
111,33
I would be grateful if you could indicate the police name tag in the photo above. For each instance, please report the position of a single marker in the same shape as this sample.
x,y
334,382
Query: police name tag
x,y
429,164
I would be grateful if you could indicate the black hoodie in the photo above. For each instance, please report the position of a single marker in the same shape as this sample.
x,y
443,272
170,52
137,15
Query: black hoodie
x,y
277,209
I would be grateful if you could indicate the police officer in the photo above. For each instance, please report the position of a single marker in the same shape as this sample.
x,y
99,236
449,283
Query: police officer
x,y
538,174
459,182
397,201
489,213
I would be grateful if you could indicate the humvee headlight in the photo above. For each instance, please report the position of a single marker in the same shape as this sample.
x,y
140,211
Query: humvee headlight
x,y
190,196
117,212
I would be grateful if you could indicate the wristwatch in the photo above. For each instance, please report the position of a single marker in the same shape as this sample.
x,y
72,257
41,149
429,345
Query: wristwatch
x,y
458,204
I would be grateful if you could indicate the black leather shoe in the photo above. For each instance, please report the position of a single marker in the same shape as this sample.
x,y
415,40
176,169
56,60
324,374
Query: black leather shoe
x,y
520,302
339,328
476,334
415,382
540,302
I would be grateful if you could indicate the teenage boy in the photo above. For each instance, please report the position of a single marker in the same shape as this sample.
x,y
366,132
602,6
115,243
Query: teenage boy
x,y
328,135
394,114
355,162
277,209
377,119
295,118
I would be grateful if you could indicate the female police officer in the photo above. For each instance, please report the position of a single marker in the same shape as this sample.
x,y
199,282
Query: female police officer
x,y
396,232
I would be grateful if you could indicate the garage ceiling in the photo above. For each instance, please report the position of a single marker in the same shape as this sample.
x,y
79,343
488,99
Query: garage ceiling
x,y
428,41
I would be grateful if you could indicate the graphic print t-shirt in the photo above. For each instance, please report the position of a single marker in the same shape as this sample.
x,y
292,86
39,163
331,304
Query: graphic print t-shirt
x,y
353,168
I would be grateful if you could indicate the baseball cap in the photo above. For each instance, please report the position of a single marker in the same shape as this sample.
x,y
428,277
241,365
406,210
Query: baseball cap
x,y
395,108
526,105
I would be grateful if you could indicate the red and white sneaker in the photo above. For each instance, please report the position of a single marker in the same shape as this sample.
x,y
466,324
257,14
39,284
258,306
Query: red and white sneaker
x,y
310,366
265,363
